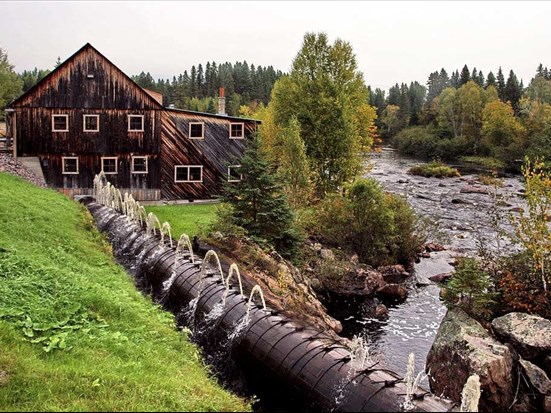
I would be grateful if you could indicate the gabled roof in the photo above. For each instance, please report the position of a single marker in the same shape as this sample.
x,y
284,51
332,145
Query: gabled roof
x,y
65,63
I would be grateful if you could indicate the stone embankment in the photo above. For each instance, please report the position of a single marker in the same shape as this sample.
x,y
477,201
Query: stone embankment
x,y
10,165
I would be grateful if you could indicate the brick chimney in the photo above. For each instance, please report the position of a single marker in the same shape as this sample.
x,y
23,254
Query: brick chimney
x,y
221,103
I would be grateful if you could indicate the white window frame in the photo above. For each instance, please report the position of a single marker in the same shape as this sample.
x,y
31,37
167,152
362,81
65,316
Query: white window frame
x,y
66,122
188,174
242,130
143,123
63,159
146,165
202,130
104,158
229,174
84,123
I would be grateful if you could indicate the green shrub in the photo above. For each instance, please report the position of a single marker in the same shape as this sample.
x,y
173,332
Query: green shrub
x,y
426,143
471,289
434,169
381,228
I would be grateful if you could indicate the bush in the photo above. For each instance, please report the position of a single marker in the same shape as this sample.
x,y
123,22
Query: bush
x,y
434,169
471,289
379,227
426,143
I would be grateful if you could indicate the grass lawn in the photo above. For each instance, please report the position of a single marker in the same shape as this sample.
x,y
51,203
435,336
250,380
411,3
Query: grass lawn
x,y
75,335
185,218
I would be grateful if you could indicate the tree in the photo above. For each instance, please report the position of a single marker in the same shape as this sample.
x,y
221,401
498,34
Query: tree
x,y
500,127
470,288
513,91
501,84
390,118
532,229
491,80
57,62
10,84
465,76
327,94
259,204
293,165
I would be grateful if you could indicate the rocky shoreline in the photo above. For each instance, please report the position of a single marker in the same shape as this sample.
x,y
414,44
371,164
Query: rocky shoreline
x,y
512,357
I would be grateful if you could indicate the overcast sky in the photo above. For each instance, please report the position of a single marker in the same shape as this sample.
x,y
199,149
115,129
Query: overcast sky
x,y
393,41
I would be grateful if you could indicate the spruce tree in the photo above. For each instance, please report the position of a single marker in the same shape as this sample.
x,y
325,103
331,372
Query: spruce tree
x,y
465,76
491,80
501,84
259,204
454,81
513,91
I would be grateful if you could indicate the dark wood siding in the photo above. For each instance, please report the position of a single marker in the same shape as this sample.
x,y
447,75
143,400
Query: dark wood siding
x,y
215,152
70,87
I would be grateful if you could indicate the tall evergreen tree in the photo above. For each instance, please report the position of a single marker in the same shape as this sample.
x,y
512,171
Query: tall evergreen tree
x,y
465,76
513,91
454,81
491,80
259,204
501,85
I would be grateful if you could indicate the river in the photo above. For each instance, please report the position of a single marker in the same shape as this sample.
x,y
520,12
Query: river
x,y
462,222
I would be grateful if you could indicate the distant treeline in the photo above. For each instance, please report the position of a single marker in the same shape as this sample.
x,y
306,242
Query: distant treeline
x,y
468,114
243,84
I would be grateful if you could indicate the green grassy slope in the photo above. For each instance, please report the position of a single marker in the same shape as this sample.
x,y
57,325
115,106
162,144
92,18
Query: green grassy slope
x,y
185,218
75,335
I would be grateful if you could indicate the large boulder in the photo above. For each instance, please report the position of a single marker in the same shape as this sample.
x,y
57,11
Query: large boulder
x,y
530,335
537,377
394,274
394,291
462,348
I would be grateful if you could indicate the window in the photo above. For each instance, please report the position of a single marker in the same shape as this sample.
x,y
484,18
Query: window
x,y
234,174
196,130
237,130
135,123
69,165
91,123
191,173
109,165
139,164
60,123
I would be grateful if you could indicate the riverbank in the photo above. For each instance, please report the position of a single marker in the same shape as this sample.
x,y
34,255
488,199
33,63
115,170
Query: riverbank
x,y
75,335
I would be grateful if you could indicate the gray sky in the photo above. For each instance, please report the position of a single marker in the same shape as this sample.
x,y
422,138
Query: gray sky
x,y
393,41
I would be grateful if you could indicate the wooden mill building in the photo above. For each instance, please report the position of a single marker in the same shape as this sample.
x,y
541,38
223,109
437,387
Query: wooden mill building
x,y
87,116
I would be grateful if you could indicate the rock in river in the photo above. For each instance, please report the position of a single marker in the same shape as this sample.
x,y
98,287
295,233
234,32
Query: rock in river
x,y
395,291
530,335
462,348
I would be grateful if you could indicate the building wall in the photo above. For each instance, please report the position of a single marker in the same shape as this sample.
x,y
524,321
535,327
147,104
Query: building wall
x,y
215,152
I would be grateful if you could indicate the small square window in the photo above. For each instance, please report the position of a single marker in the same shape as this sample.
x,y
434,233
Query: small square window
x,y
237,131
135,123
196,130
139,164
188,173
60,123
91,123
70,165
109,166
234,173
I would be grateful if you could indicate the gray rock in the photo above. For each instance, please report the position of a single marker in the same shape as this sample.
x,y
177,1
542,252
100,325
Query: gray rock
x,y
394,273
547,365
381,311
327,254
530,335
470,189
537,377
441,277
461,201
462,348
